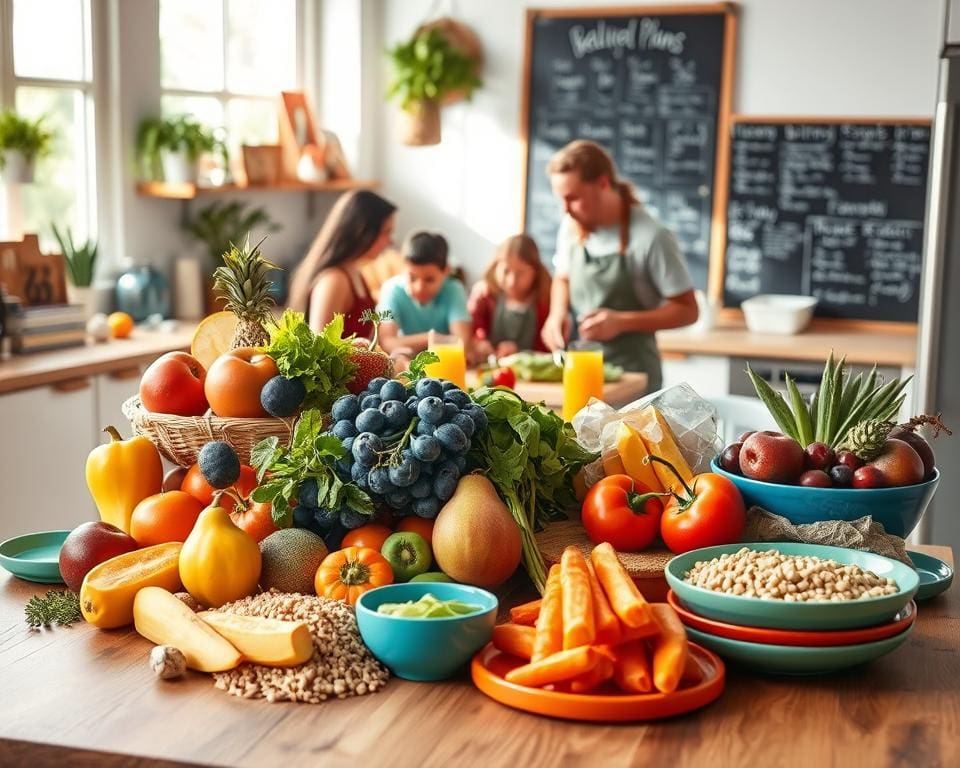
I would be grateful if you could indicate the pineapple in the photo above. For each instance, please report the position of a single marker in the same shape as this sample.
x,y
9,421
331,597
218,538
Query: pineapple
x,y
867,438
241,281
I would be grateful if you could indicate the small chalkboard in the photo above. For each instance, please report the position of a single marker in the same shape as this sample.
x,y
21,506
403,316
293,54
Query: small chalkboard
x,y
652,86
828,208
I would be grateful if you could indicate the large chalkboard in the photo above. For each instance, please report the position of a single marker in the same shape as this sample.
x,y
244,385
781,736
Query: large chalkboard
x,y
832,209
652,85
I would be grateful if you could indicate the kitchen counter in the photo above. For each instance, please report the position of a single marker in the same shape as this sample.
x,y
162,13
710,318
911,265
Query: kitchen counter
x,y
79,695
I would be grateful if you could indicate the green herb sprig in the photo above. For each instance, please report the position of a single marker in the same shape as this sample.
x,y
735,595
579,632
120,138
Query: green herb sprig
x,y
417,369
60,607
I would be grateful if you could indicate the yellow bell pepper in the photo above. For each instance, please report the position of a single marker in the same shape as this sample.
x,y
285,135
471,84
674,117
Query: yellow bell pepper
x,y
120,474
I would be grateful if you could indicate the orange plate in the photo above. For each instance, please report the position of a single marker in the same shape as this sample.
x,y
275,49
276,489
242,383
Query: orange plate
x,y
490,665
811,639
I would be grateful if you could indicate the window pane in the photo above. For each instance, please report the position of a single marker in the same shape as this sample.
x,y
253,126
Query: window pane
x,y
48,39
206,110
59,191
191,44
251,121
262,49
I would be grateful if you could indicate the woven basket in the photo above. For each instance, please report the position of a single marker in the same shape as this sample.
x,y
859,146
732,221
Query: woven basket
x,y
180,438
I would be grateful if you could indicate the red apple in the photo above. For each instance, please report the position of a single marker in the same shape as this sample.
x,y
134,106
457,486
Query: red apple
x,y
174,384
90,544
771,457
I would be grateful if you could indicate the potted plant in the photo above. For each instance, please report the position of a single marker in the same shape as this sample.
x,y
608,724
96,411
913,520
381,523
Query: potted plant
x,y
170,147
81,262
22,141
439,63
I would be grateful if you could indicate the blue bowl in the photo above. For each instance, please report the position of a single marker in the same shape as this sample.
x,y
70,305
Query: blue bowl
x,y
425,649
899,508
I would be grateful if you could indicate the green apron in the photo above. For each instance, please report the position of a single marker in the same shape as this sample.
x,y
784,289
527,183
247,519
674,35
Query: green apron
x,y
519,326
606,281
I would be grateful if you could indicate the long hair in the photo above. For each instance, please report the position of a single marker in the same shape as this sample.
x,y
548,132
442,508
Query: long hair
x,y
351,228
525,248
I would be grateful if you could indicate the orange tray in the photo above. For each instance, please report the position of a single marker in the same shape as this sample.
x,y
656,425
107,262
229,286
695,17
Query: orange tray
x,y
490,666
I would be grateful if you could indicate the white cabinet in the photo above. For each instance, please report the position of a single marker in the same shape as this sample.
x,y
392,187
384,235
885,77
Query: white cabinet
x,y
709,375
112,390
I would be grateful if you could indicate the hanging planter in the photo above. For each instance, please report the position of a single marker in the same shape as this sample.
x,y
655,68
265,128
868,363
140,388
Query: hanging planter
x,y
21,143
421,123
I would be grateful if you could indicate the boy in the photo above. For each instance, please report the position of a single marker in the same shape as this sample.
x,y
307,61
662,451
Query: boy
x,y
426,297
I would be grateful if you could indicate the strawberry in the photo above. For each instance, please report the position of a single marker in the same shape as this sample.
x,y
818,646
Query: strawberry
x,y
371,361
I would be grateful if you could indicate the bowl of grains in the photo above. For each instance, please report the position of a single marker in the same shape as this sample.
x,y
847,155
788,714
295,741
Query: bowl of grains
x,y
791,585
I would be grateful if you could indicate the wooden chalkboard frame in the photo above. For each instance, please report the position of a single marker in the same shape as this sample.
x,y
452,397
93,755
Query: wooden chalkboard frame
x,y
718,213
733,314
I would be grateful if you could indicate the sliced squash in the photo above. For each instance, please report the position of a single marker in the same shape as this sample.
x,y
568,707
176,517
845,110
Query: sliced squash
x,y
660,441
108,590
632,452
162,618
262,640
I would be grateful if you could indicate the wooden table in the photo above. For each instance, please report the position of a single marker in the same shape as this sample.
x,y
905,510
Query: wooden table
x,y
629,387
81,696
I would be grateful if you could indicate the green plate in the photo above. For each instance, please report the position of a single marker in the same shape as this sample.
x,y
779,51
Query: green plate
x,y
797,660
935,575
777,614
34,556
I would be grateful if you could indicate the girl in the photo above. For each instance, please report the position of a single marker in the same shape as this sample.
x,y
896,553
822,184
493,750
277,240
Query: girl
x,y
508,307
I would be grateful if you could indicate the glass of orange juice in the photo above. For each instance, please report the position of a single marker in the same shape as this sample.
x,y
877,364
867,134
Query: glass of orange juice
x,y
453,361
582,375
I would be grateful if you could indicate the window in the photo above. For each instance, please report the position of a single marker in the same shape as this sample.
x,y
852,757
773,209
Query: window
x,y
50,68
226,61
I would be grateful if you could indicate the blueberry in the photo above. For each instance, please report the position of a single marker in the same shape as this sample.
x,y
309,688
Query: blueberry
x,y
303,516
281,396
411,404
448,385
358,474
428,507
334,537
461,462
425,447
425,428
346,407
325,519
370,420
445,480
370,401
841,474
429,388
452,439
344,465
307,494
478,415
466,424
395,415
366,447
406,472
399,499
378,479
423,487
344,429
219,464
347,443
376,384
393,390
458,397
431,409
350,518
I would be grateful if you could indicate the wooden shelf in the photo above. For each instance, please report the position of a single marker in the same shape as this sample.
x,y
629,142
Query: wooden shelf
x,y
166,191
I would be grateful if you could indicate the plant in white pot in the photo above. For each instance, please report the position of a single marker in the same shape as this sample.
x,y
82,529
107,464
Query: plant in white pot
x,y
81,262
169,148
22,141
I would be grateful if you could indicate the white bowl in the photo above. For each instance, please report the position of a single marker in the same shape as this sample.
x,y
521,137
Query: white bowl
x,y
778,313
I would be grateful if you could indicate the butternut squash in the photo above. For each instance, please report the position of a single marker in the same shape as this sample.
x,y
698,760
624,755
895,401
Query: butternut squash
x,y
262,640
108,590
660,441
166,620
632,451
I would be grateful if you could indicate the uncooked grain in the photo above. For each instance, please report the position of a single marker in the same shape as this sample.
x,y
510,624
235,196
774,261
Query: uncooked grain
x,y
341,664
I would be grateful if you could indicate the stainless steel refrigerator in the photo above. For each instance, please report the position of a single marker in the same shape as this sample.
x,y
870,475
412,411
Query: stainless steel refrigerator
x,y
938,347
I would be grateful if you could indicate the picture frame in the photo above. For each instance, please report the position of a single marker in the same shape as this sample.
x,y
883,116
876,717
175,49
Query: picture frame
x,y
299,138
262,164
35,278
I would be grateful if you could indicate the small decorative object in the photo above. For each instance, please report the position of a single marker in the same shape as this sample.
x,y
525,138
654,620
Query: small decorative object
x,y
167,662
169,148
143,291
81,261
98,327
262,164
22,141
36,278
300,139
439,64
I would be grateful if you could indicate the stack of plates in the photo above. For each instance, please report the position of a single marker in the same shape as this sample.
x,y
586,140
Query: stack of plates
x,y
796,638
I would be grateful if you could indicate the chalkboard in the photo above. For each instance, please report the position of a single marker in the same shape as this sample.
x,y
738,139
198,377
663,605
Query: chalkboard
x,y
652,86
828,208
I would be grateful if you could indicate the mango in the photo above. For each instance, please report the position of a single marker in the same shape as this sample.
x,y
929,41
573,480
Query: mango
x,y
262,640
660,441
632,451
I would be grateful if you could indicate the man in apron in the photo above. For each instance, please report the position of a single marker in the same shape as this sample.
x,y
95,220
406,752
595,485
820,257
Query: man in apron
x,y
617,270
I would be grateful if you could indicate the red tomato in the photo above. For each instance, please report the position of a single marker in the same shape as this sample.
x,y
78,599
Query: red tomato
x,y
419,525
196,485
501,377
623,512
370,535
710,513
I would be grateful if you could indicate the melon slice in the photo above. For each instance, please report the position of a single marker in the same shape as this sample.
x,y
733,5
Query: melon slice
x,y
262,640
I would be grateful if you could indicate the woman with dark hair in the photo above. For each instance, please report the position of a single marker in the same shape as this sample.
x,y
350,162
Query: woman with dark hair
x,y
328,281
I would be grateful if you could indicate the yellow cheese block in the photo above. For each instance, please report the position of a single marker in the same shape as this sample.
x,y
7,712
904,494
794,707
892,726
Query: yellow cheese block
x,y
660,441
632,452
162,618
262,640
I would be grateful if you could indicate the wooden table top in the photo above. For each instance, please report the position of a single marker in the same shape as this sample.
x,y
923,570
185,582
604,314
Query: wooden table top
x,y
78,695
629,387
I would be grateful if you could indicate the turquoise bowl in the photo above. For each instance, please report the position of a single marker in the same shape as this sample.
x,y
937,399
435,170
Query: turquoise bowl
x,y
795,659
425,649
778,614
34,556
899,508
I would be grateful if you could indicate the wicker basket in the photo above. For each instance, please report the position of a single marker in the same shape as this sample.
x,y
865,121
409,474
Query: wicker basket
x,y
180,438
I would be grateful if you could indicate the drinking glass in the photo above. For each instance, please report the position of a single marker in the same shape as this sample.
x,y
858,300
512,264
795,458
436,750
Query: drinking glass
x,y
452,365
582,375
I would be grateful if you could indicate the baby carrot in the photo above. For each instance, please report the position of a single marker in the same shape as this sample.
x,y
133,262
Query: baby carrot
x,y
596,676
605,620
514,639
624,597
564,665
578,626
631,670
526,613
549,637
670,648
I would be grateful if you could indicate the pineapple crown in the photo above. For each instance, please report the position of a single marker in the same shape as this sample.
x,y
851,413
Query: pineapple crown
x,y
242,281
867,438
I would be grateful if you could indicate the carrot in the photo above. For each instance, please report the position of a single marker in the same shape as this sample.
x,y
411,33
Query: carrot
x,y
624,597
596,676
526,614
670,649
549,637
605,620
638,633
578,626
631,670
564,665
514,639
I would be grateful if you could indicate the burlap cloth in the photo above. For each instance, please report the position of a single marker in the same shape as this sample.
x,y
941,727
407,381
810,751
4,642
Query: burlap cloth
x,y
864,533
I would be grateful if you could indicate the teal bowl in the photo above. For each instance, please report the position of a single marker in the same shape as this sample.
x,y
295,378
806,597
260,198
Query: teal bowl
x,y
899,508
34,556
778,614
425,649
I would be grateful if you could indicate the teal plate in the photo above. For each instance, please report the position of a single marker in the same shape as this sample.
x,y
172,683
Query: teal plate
x,y
935,575
34,556
797,660
807,616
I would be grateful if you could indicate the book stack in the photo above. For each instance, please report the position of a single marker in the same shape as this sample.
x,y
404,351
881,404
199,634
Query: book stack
x,y
41,328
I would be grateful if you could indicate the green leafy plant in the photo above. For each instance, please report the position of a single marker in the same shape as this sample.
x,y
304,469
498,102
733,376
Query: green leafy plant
x,y
176,134
221,224
26,136
60,607
81,259
427,67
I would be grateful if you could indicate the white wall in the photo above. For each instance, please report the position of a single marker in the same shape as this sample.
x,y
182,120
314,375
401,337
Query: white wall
x,y
794,57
